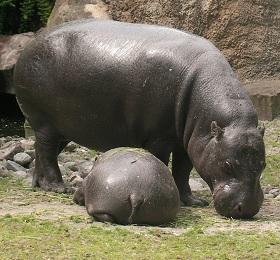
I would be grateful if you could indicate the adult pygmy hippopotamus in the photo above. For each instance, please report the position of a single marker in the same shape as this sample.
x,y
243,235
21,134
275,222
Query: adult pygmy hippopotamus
x,y
129,186
106,84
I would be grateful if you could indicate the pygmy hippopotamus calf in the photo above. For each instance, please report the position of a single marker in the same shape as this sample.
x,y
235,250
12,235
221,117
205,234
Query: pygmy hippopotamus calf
x,y
129,186
106,84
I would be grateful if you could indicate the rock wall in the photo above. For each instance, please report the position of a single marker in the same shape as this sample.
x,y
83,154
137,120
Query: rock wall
x,y
10,49
247,31
68,10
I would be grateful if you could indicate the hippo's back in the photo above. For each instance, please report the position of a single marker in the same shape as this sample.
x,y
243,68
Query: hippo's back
x,y
131,183
101,75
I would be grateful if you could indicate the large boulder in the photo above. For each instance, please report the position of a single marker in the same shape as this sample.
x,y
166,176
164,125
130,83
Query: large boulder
x,y
10,48
248,32
68,10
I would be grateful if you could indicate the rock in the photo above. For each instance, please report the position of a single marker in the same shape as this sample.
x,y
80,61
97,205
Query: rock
x,y
265,95
9,150
68,10
71,147
20,174
32,164
31,153
27,144
267,188
65,157
85,167
269,196
71,166
197,184
76,179
4,173
2,141
277,197
3,170
275,192
62,169
22,158
82,150
247,32
13,166
10,47
2,165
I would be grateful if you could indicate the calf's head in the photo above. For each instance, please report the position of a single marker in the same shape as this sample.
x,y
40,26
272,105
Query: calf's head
x,y
233,162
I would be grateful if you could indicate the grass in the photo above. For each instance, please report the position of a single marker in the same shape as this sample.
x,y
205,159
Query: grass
x,y
271,174
12,189
78,237
27,238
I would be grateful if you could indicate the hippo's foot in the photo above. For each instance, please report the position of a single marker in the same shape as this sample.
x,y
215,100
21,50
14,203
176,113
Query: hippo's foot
x,y
58,187
103,217
190,200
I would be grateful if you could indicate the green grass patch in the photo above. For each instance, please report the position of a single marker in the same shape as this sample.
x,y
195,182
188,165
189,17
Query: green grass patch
x,y
271,174
12,189
272,134
27,238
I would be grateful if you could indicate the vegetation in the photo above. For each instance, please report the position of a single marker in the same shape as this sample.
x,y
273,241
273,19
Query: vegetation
x,y
26,238
18,16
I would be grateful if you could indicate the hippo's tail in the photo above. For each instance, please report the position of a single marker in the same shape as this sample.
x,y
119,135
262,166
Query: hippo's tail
x,y
135,202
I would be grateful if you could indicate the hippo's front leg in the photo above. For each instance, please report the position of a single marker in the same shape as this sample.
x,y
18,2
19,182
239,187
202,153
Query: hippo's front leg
x,y
47,174
181,169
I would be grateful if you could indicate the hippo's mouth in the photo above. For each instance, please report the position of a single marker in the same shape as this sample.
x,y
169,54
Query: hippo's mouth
x,y
234,201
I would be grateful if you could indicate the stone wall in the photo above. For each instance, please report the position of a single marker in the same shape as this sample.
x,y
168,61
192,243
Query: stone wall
x,y
68,10
247,31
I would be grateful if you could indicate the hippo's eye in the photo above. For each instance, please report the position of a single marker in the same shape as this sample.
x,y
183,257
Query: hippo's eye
x,y
228,166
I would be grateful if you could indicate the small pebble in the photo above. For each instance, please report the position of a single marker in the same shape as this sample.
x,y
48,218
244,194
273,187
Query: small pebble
x,y
275,192
269,196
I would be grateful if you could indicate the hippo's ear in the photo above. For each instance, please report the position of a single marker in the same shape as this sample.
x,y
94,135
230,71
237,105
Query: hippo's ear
x,y
216,131
261,129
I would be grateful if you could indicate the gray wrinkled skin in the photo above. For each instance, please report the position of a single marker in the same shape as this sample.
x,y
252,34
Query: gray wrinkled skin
x,y
106,84
129,186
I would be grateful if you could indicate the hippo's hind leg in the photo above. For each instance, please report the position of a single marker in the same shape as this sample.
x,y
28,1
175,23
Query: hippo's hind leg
x,y
181,169
47,174
100,215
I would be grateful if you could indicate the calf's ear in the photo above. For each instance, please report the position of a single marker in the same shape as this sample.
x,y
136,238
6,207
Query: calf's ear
x,y
216,131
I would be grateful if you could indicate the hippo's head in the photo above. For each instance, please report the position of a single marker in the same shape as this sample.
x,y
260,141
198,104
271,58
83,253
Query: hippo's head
x,y
232,169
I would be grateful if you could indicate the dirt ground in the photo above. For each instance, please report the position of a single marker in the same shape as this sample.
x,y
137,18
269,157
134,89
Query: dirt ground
x,y
48,206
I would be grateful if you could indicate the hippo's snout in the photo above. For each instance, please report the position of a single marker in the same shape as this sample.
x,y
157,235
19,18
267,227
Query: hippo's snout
x,y
237,201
